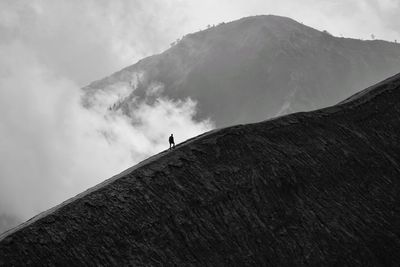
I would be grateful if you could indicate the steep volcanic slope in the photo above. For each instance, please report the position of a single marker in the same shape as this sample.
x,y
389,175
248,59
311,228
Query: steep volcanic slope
x,y
318,188
256,68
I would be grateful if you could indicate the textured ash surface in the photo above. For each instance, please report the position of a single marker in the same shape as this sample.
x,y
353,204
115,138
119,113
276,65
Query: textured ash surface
x,y
318,188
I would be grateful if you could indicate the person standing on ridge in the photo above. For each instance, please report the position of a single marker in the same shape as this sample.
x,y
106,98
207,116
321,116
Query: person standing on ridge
x,y
171,142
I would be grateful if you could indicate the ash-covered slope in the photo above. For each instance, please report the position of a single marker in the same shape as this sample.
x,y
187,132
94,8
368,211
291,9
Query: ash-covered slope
x,y
255,68
318,188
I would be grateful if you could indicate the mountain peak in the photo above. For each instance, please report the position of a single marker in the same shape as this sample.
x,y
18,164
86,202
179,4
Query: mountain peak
x,y
259,25
255,68
269,20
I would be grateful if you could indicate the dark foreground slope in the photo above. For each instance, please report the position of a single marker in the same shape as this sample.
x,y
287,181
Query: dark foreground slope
x,y
318,188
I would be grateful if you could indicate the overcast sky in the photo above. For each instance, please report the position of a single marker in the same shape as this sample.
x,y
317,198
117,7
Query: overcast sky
x,y
86,40
50,147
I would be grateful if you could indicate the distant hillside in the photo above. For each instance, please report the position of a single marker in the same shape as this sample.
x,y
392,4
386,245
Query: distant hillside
x,y
256,68
308,189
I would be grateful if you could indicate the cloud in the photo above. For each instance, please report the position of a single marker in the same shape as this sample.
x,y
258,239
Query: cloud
x,y
52,148
87,40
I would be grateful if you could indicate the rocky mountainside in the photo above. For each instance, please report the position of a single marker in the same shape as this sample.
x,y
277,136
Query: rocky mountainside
x,y
319,188
255,68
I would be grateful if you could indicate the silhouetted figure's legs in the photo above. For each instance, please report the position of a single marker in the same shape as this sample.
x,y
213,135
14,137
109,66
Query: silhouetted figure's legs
x,y
171,146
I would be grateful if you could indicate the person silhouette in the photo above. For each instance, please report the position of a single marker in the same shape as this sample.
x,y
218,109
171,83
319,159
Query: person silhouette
x,y
171,142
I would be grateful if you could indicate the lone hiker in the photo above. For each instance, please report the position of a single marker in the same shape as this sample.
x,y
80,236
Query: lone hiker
x,y
171,141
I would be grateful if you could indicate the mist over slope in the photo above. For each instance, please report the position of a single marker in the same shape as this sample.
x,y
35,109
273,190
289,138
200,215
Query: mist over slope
x,y
254,68
316,188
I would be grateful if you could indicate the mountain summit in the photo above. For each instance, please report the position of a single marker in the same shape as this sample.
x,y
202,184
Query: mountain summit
x,y
317,189
256,68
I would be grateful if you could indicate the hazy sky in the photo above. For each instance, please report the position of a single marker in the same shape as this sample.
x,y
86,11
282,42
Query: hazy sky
x,y
86,40
52,148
